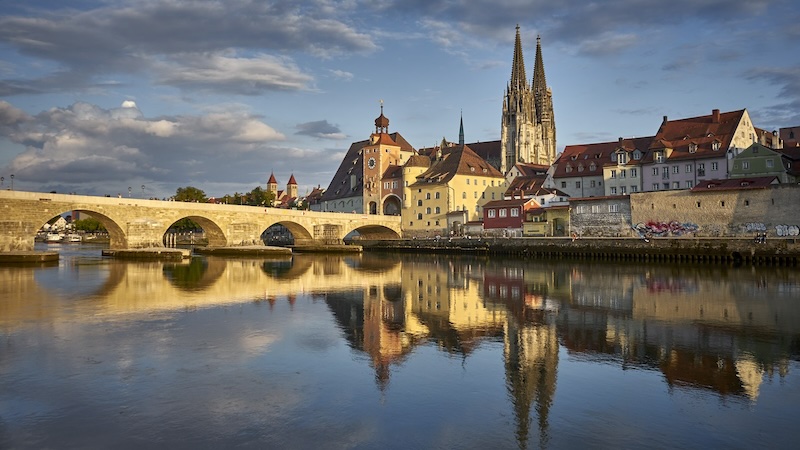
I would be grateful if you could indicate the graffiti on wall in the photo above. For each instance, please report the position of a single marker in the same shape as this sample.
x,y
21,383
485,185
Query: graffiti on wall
x,y
662,229
787,230
752,227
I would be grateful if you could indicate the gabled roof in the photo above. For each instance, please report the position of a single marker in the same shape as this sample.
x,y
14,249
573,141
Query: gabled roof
x,y
272,179
458,160
292,180
583,155
529,170
694,137
735,184
418,161
393,172
531,186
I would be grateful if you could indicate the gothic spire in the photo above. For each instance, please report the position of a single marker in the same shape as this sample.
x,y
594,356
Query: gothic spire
x,y
461,131
518,79
539,83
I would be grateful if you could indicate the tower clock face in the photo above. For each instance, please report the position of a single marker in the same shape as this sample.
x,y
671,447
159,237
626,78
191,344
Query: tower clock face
x,y
371,163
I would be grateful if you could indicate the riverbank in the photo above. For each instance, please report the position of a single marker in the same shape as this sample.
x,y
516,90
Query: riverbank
x,y
32,257
701,250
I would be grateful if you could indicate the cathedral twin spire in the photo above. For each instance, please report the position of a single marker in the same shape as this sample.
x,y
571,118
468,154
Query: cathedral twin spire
x,y
528,129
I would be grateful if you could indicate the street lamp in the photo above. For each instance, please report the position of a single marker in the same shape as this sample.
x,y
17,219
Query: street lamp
x,y
2,180
142,191
12,181
129,191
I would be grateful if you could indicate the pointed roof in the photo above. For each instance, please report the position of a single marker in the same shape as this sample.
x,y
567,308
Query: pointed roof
x,y
292,181
518,78
461,131
272,179
539,81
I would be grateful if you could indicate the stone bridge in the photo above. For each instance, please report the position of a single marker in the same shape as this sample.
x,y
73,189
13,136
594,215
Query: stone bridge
x,y
134,223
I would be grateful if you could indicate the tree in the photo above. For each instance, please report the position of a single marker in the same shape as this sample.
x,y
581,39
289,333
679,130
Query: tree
x,y
89,224
190,194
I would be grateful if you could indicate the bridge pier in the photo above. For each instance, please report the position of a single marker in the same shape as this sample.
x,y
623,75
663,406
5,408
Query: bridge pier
x,y
17,236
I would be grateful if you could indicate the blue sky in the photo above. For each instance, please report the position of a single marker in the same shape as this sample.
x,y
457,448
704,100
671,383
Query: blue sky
x,y
100,95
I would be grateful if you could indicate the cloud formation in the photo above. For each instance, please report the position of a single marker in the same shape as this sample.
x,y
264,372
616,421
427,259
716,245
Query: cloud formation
x,y
320,129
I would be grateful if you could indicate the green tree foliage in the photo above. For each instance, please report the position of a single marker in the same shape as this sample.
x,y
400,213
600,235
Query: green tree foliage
x,y
190,194
90,224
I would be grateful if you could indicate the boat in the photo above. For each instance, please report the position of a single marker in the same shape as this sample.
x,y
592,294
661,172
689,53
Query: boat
x,y
54,237
74,237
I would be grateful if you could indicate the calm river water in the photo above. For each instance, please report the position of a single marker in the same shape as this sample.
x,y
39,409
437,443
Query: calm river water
x,y
384,351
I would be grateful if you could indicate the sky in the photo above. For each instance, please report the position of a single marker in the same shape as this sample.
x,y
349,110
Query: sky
x,y
107,97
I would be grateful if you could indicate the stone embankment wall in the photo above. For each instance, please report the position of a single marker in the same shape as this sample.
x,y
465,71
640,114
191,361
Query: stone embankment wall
x,y
701,250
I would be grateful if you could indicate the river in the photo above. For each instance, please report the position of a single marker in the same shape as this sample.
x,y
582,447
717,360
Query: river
x,y
388,351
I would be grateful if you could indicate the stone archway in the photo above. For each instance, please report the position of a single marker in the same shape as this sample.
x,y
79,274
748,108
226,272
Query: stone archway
x,y
391,205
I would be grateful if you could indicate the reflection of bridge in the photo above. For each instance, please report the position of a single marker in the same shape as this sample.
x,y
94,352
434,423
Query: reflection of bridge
x,y
133,223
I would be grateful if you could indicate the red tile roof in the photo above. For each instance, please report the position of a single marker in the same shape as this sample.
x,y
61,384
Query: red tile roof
x,y
580,157
457,160
694,137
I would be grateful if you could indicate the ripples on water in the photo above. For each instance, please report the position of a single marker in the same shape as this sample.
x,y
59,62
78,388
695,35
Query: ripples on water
x,y
396,351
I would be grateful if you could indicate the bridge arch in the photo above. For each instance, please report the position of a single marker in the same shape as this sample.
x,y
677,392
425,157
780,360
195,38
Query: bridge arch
x,y
299,232
377,232
214,233
117,236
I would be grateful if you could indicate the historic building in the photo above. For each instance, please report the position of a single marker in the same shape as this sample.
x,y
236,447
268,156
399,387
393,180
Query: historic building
x,y
360,182
528,130
457,180
283,198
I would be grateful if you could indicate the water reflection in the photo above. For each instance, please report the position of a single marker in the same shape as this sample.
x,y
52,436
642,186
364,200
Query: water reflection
x,y
717,330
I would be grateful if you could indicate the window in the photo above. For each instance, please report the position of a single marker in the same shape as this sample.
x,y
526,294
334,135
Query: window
x,y
491,213
613,208
493,195
594,183
714,166
436,195
637,155
659,156
722,203
623,190
676,185
464,195
655,186
666,186
592,166
698,204
622,158
419,216
467,180
563,185
688,168
689,185
622,173
613,191
745,165
568,168
613,174
438,210
676,169
655,170
514,212
634,189
577,185
769,163
428,210
595,209
581,209
394,184
427,196
634,173
715,146
580,167
503,212
747,202
419,202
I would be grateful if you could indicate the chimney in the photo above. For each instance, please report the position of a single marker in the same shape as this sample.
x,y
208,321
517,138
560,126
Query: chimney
x,y
620,139
714,116
665,120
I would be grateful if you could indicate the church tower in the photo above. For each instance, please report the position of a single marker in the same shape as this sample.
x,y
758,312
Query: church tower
x,y
527,131
272,185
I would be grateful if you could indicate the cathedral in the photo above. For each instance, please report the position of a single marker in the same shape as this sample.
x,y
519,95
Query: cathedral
x,y
528,130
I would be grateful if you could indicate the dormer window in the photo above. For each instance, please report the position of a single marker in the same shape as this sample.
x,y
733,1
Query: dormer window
x,y
574,157
637,155
622,158
580,167
692,147
592,166
659,156
614,157
568,168
715,146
